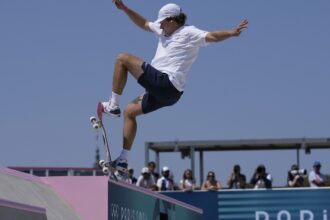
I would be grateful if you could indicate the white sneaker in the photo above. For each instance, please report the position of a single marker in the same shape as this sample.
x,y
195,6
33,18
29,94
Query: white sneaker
x,y
120,165
111,110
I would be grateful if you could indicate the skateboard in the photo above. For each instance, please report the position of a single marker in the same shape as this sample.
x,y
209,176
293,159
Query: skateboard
x,y
106,165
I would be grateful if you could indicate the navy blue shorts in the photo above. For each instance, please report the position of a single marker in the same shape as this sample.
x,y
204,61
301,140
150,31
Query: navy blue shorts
x,y
160,91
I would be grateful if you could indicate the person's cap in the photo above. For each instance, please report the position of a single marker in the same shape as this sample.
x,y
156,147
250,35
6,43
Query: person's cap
x,y
129,168
165,169
317,163
168,10
294,167
145,170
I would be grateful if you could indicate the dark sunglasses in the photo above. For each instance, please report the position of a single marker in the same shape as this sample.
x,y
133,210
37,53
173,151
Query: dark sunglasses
x,y
169,19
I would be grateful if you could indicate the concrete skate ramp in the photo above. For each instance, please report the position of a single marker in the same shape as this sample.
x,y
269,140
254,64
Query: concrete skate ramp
x,y
16,211
27,197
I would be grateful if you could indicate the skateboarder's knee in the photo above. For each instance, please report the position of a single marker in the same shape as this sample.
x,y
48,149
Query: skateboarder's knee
x,y
132,110
123,58
128,112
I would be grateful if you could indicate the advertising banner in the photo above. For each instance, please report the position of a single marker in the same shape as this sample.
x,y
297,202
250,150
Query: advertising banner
x,y
261,204
134,203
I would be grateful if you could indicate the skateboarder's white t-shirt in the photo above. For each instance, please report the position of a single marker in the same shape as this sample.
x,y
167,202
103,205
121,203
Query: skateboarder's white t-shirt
x,y
175,54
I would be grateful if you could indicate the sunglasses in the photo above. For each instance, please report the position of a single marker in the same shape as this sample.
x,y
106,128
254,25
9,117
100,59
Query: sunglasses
x,y
168,19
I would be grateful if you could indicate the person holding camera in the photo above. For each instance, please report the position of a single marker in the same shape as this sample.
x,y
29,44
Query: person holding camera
x,y
261,179
316,178
236,180
296,176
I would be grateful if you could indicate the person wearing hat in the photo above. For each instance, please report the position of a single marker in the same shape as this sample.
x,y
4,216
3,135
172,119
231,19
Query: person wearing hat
x,y
164,79
145,179
296,176
165,182
315,177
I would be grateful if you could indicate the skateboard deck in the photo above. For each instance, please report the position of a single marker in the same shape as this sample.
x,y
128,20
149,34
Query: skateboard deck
x,y
106,165
107,169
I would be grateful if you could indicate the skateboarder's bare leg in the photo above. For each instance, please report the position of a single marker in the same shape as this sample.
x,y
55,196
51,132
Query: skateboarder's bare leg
x,y
132,110
125,63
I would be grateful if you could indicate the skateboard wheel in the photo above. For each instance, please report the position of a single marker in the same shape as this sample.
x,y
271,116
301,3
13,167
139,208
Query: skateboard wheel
x,y
95,125
92,119
101,163
105,170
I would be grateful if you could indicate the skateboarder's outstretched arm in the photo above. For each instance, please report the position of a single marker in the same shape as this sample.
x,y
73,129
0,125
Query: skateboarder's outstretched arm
x,y
139,20
217,36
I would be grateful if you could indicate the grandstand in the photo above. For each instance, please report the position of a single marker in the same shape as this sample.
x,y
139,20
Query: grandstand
x,y
189,148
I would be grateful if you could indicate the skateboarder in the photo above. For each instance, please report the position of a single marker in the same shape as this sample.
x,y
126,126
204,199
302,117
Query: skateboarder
x,y
164,78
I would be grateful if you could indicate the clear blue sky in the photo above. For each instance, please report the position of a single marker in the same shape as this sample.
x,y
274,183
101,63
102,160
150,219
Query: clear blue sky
x,y
56,62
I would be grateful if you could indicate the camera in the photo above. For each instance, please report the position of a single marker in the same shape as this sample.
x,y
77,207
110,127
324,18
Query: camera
x,y
298,172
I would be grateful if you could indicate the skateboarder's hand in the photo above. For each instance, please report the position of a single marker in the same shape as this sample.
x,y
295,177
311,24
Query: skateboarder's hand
x,y
119,4
238,30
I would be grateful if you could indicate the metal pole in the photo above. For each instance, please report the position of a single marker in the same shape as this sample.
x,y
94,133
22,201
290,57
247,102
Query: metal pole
x,y
298,158
192,160
146,153
201,167
157,162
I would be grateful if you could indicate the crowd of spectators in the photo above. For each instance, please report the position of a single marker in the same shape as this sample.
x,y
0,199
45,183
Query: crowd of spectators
x,y
150,179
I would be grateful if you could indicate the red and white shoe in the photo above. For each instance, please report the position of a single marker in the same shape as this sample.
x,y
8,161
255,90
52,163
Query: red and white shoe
x,y
109,109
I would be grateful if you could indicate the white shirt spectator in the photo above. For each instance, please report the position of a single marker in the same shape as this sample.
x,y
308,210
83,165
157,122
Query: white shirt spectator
x,y
165,184
314,176
187,184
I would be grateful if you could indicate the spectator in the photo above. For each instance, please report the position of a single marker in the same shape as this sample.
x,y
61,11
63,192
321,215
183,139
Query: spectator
x,y
145,179
187,183
296,176
165,183
211,183
261,179
236,180
316,178
131,179
152,169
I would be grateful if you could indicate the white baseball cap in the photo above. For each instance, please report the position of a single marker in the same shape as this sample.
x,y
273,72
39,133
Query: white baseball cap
x,y
168,10
166,169
145,170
